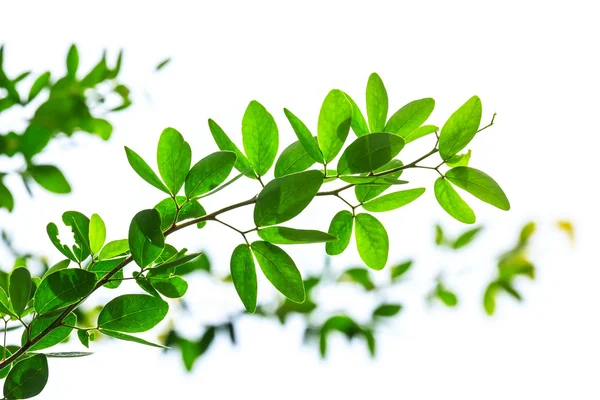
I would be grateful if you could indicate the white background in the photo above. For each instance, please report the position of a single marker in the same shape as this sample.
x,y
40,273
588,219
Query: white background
x,y
534,63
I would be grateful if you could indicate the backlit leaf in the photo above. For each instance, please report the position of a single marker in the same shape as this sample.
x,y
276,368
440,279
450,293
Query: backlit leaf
x,y
377,103
394,200
209,173
334,123
27,378
369,152
480,185
146,239
409,118
243,274
132,313
63,288
174,157
284,235
340,227
371,241
452,203
260,137
460,128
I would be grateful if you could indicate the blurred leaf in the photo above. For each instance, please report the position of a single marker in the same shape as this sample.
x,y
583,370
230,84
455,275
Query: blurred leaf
x,y
387,310
40,83
567,227
466,238
129,338
358,275
439,235
50,178
163,64
397,271
72,61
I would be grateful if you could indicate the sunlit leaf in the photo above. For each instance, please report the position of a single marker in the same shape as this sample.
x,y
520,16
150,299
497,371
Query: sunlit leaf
x,y
260,137
394,200
409,118
460,128
369,152
371,241
377,103
305,137
146,239
294,158
132,313
480,185
340,227
97,233
452,203
63,288
174,157
50,178
241,163
209,173
284,235
243,274
334,123
144,171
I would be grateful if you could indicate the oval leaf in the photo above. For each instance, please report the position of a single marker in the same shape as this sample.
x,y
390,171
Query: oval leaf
x,y
63,288
146,239
243,274
394,200
56,336
143,170
174,157
460,128
410,117
369,152
284,235
209,173
114,249
359,124
260,137
19,289
241,163
132,313
340,227
50,178
27,378
304,136
293,159
480,185
97,233
452,203
334,124
129,338
371,241
377,103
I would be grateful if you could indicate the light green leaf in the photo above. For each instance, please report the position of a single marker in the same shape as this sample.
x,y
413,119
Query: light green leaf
x,y
305,137
334,124
340,227
143,170
241,163
371,241
63,288
50,178
57,267
102,268
466,238
129,338
56,336
209,173
132,313
387,310
174,157
452,203
410,117
377,103
260,137
280,270
27,378
460,128
359,124
394,200
420,132
97,233
19,289
358,275
293,159
5,307
284,235
243,274
40,83
167,210
172,287
399,270
52,231
369,152
146,239
284,198
114,249
80,226
480,185
72,61
365,193
459,160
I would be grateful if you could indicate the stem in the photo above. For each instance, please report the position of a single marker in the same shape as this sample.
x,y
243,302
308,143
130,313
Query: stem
x,y
4,355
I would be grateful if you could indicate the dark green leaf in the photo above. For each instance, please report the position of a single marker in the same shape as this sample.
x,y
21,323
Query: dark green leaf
x,y
174,157
305,137
97,231
452,203
410,117
393,200
102,268
387,310
5,307
241,164
371,241
83,337
50,178
334,123
172,287
365,193
373,180
146,239
52,230
27,378
58,335
293,159
40,83
6,198
143,170
80,226
209,173
63,288
377,103
283,235
129,338
19,289
163,63
480,185
466,238
114,249
460,128
280,270
243,274
260,137
369,152
340,227
132,313
284,198
4,371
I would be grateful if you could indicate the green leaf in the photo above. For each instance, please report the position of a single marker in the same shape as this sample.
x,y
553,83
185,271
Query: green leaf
x,y
410,117
40,83
371,241
80,226
241,164
480,185
260,137
359,124
452,203
163,64
52,231
63,288
83,337
372,180
394,200
447,297
102,268
27,378
56,336
377,103
97,233
147,286
459,160
369,152
293,159
387,310
280,270
114,249
358,275
68,354
144,171
340,227
172,287
4,371
283,235
188,209
420,132
466,238
174,157
132,313
129,338
305,137
146,239
97,126
284,198
19,289
399,270
334,124
489,298
365,193
72,61
439,235
243,274
460,128
6,198
50,178
5,307
209,173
